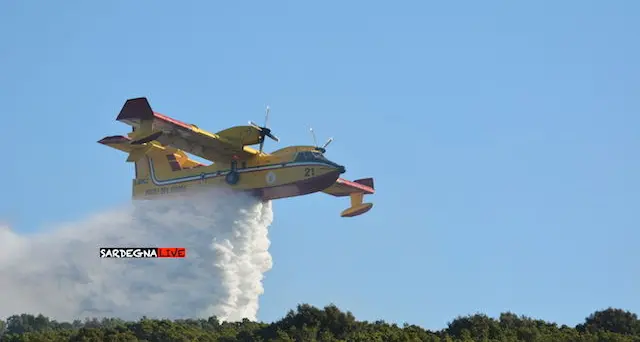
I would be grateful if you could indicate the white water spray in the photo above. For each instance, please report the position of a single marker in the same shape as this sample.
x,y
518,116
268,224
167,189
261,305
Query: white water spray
x,y
58,272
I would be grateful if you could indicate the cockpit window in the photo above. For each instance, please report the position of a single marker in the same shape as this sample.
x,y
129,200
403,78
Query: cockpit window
x,y
318,156
304,156
310,156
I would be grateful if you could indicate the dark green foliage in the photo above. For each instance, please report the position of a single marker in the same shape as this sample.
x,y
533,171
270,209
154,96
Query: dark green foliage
x,y
311,324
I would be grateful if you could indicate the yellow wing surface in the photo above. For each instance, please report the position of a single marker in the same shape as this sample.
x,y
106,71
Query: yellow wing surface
x,y
356,190
225,145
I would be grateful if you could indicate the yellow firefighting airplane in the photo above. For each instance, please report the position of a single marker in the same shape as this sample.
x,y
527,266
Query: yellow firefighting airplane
x,y
158,147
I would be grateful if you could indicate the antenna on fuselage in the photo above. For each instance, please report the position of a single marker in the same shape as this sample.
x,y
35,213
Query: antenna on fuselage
x,y
322,149
264,130
313,135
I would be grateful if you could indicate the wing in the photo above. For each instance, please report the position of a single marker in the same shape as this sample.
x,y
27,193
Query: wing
x,y
343,187
222,146
356,190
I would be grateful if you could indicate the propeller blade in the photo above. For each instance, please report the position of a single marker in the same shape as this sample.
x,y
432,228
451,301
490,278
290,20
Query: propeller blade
x,y
266,117
255,125
264,130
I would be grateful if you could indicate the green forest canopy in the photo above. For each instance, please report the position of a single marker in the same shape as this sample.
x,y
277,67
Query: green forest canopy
x,y
330,324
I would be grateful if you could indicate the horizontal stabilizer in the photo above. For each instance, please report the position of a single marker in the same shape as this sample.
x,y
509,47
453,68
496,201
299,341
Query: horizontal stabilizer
x,y
136,152
145,139
122,143
138,108
114,140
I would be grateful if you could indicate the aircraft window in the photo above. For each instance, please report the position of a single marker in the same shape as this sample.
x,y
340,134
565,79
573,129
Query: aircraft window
x,y
318,156
304,156
310,156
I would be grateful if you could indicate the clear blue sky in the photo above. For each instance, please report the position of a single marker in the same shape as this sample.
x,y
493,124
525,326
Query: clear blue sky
x,y
503,137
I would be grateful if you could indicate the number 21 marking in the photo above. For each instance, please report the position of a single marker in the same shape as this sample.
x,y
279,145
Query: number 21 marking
x,y
309,172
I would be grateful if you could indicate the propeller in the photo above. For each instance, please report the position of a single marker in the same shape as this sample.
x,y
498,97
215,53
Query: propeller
x,y
264,130
322,149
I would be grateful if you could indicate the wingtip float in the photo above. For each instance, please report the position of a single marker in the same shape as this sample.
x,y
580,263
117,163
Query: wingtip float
x,y
158,147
